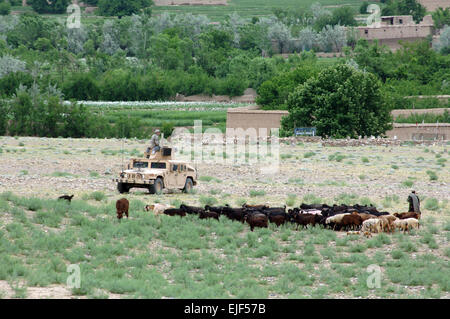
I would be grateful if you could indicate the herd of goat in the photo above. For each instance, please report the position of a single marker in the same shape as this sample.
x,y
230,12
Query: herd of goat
x,y
355,219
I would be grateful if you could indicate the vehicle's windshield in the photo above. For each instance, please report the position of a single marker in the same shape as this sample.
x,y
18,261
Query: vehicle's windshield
x,y
140,165
159,165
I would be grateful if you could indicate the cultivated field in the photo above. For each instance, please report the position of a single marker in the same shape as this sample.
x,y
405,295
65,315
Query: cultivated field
x,y
169,257
250,8
153,114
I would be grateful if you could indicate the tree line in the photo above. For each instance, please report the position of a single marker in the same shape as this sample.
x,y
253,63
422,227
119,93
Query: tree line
x,y
145,57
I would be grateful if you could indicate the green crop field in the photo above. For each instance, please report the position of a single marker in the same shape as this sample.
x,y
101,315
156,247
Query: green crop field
x,y
250,8
245,8
155,114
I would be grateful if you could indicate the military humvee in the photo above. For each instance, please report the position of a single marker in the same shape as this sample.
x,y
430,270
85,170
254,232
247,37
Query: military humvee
x,y
156,172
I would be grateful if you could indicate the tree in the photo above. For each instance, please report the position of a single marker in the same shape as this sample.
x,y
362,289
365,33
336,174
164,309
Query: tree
x,y
5,8
3,116
54,6
343,16
272,94
444,41
140,32
81,86
363,7
281,34
76,39
308,38
405,7
333,38
9,64
122,8
110,44
340,101
441,17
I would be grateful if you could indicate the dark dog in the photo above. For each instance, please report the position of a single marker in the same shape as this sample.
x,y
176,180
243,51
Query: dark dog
x,y
66,197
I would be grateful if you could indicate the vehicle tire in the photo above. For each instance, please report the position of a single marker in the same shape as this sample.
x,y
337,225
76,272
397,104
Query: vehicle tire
x,y
188,187
123,188
157,187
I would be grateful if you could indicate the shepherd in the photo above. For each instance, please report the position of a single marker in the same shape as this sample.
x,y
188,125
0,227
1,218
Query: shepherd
x,y
414,202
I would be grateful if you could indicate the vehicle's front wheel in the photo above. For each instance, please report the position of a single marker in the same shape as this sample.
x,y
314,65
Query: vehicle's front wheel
x,y
123,188
189,186
157,187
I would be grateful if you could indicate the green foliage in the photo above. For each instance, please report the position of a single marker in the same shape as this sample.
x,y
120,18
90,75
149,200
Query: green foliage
x,y
81,86
55,6
254,193
344,15
425,118
432,204
309,154
432,175
167,129
407,183
273,93
291,199
5,8
363,7
122,8
405,7
441,17
341,101
98,196
208,200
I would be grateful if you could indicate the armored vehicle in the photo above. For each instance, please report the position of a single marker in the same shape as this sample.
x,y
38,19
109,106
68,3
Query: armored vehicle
x,y
156,172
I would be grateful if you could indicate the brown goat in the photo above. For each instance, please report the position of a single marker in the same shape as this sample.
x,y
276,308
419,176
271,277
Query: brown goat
x,y
387,223
366,216
122,206
256,220
351,221
206,214
278,219
304,219
257,207
407,215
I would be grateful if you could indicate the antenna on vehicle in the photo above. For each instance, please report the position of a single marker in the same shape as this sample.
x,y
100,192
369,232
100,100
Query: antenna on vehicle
x,y
123,133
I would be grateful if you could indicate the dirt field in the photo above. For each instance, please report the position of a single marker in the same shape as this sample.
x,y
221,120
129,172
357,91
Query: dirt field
x,y
382,175
49,167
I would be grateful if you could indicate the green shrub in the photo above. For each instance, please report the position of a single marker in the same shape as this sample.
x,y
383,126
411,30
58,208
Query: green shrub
x,y
432,175
94,174
167,129
61,174
98,196
208,200
407,183
432,204
309,154
254,193
290,201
